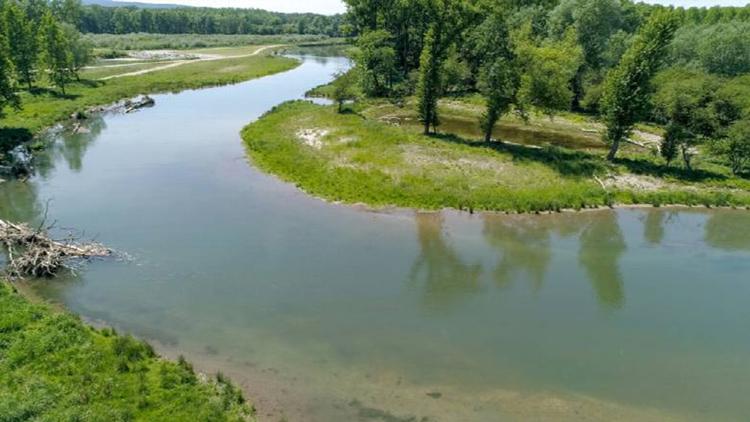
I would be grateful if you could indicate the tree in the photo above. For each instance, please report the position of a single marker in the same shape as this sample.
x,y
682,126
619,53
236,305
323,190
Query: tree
x,y
8,96
428,85
736,146
546,71
670,143
344,88
376,62
79,49
22,41
57,54
498,80
626,88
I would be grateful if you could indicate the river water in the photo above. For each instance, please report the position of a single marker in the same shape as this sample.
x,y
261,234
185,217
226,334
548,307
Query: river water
x,y
326,312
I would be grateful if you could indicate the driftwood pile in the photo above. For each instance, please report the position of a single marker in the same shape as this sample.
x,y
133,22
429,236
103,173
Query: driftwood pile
x,y
33,253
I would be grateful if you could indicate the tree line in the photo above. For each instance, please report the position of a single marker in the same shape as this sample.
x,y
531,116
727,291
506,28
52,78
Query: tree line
x,y
189,20
686,69
38,41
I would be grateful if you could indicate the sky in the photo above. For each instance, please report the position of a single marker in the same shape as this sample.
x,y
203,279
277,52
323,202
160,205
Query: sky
x,y
330,7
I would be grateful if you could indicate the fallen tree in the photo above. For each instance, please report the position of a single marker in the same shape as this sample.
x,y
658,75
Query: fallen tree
x,y
33,253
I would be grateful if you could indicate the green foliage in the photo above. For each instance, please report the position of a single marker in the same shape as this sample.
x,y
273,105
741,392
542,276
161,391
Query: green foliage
x,y
723,48
57,52
735,148
428,84
547,69
80,50
376,63
498,80
142,41
54,368
670,143
627,88
194,20
382,165
23,42
8,94
344,88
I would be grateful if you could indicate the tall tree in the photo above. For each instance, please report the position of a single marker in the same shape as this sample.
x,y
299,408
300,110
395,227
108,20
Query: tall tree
x,y
56,51
498,80
23,42
626,89
428,85
8,96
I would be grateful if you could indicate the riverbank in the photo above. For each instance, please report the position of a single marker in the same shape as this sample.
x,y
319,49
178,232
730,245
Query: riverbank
x,y
43,107
378,158
53,367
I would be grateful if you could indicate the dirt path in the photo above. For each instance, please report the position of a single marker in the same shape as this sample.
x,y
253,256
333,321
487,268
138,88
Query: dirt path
x,y
185,61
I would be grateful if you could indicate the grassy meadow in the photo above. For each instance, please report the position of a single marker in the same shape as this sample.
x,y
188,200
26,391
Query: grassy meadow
x,y
373,157
55,368
43,106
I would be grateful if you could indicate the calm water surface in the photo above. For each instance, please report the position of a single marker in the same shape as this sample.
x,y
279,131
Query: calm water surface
x,y
327,313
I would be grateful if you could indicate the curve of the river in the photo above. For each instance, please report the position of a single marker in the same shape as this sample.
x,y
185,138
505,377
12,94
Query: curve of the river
x,y
326,312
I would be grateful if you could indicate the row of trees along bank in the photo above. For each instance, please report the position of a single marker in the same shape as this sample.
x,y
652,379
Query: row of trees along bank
x,y
685,69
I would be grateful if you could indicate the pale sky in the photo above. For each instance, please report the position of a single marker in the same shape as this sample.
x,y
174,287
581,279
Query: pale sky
x,y
330,7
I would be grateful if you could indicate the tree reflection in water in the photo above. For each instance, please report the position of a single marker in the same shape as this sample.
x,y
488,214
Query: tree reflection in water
x,y
728,230
445,277
524,245
602,244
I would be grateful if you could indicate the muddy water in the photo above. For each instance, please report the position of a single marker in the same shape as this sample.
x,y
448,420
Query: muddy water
x,y
327,313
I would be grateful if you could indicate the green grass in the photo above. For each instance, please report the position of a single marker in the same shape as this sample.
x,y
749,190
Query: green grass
x,y
55,368
355,159
142,41
104,71
43,107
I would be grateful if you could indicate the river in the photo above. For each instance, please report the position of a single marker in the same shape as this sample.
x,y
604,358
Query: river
x,y
326,312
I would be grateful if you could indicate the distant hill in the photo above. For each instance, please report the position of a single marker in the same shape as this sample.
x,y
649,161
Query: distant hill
x,y
112,3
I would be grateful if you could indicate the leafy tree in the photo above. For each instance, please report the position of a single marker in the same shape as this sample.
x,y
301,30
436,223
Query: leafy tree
x,y
546,71
22,41
670,143
57,53
8,96
736,146
723,48
376,61
344,88
428,85
626,89
498,79
79,49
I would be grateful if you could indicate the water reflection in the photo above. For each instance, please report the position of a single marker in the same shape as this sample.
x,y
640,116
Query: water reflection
x,y
729,230
19,201
653,226
446,278
601,246
524,246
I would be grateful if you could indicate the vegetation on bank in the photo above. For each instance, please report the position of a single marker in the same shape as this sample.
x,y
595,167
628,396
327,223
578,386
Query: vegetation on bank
x,y
146,41
54,367
43,107
354,159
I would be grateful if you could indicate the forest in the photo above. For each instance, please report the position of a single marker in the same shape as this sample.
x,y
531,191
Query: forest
x,y
683,69
189,20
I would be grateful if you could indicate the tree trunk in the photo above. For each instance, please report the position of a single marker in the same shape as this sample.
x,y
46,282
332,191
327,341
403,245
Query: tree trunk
x,y
613,150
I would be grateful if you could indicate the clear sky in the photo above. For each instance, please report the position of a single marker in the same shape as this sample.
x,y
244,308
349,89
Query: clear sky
x,y
329,7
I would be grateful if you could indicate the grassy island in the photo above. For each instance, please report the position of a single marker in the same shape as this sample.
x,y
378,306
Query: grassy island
x,y
53,367
377,155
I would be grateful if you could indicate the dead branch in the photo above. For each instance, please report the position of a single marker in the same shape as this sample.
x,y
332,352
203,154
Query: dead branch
x,y
32,252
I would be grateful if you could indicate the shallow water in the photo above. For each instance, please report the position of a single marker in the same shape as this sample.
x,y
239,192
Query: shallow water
x,y
325,312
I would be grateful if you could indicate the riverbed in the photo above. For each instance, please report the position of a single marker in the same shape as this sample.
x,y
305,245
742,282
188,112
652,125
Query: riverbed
x,y
325,312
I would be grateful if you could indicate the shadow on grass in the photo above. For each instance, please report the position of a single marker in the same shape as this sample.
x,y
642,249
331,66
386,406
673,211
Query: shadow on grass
x,y
38,91
647,167
564,161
